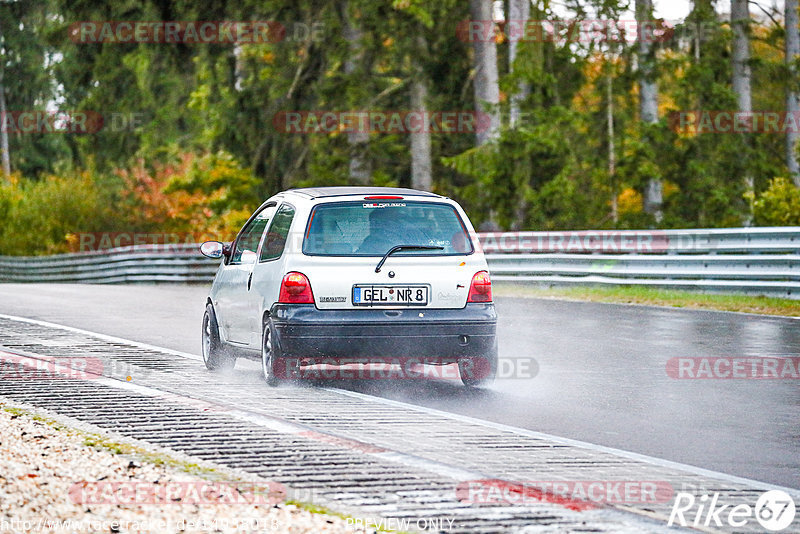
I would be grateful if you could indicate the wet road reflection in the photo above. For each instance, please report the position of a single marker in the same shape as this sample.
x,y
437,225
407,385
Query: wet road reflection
x,y
602,378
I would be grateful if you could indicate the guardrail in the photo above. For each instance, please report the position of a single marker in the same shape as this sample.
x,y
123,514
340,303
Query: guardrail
x,y
750,260
778,240
758,261
141,263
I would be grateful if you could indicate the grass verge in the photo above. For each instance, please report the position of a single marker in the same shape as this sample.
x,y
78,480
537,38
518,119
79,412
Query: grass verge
x,y
656,297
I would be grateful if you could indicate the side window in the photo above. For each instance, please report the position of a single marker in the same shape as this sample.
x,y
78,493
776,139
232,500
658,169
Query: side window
x,y
250,236
278,232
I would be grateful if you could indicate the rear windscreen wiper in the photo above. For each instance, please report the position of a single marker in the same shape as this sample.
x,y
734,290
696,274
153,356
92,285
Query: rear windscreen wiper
x,y
404,247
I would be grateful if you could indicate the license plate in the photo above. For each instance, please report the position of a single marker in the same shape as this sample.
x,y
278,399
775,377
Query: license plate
x,y
390,295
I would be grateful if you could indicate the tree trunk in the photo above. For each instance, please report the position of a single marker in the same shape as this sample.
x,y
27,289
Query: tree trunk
x,y
612,155
3,129
648,98
487,90
518,14
792,51
740,22
360,171
698,12
420,141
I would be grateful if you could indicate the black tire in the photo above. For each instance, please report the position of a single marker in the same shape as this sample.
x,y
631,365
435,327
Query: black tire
x,y
215,356
269,355
480,371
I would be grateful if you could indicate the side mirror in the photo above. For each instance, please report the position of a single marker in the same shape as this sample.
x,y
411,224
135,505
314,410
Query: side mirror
x,y
212,249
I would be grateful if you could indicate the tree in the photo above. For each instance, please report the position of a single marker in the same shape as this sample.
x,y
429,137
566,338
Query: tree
x,y
27,60
740,22
792,107
485,79
518,14
613,53
648,97
421,177
612,153
3,129
360,169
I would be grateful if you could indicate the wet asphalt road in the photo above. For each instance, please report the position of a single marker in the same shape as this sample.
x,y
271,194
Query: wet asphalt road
x,y
601,371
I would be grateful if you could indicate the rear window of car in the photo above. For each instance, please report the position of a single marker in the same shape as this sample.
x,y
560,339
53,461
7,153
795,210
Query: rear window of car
x,y
369,228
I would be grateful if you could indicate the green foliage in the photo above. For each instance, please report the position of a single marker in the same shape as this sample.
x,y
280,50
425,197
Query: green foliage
x,y
205,149
220,177
210,195
28,69
510,173
39,215
778,205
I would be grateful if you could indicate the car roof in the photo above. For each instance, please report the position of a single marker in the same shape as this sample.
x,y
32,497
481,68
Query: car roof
x,y
324,192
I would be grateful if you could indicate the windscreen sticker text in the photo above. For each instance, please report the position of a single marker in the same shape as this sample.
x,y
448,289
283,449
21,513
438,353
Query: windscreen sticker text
x,y
384,205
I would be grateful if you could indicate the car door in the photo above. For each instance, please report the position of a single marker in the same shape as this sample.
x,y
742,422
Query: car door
x,y
231,305
270,269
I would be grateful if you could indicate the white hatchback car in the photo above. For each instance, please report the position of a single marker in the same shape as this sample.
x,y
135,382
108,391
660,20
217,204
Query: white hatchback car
x,y
337,275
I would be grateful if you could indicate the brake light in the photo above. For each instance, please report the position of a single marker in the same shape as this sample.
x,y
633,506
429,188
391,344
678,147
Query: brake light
x,y
295,289
480,290
384,197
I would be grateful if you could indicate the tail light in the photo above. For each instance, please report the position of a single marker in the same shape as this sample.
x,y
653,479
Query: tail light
x,y
295,289
480,290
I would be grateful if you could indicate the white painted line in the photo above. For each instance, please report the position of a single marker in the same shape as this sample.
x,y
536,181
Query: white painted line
x,y
444,470
623,516
462,418
110,339
575,443
273,423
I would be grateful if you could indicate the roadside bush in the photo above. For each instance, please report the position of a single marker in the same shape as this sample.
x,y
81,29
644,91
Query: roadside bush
x,y
208,196
38,215
778,205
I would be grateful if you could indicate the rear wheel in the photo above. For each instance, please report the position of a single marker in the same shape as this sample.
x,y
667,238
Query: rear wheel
x,y
214,354
268,355
479,371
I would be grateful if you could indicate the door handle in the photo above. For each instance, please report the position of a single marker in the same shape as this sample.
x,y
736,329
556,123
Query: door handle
x,y
249,281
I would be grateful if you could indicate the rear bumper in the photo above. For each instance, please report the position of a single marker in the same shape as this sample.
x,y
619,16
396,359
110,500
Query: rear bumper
x,y
441,335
